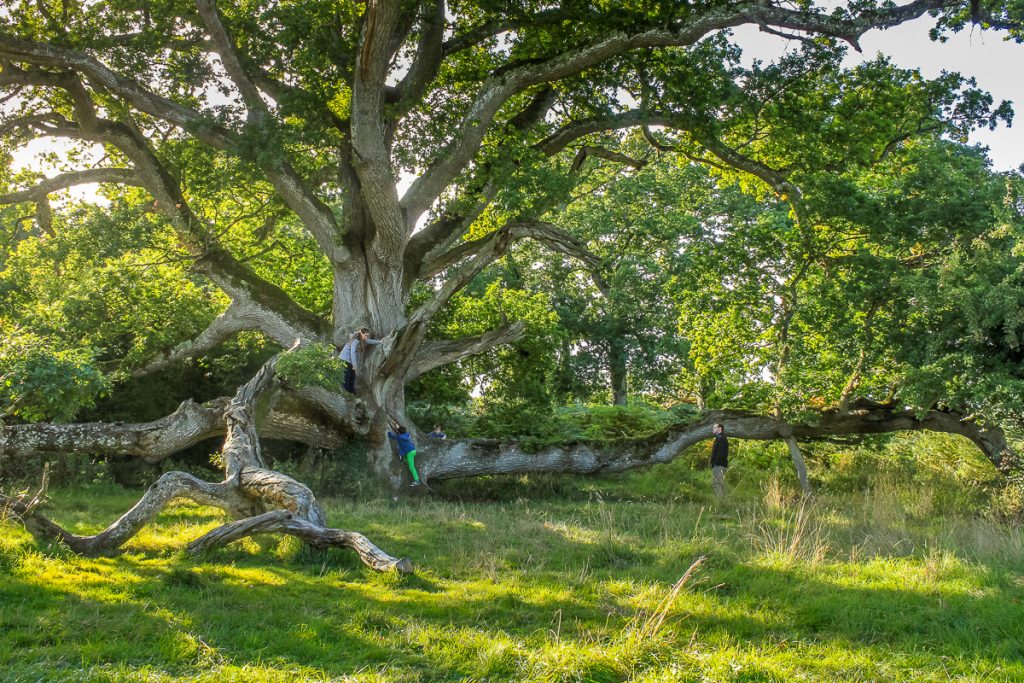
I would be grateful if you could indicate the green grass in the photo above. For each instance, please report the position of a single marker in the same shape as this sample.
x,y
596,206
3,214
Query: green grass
x,y
536,579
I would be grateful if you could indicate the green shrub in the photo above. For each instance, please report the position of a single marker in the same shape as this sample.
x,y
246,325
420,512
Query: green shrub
x,y
38,381
314,365
617,422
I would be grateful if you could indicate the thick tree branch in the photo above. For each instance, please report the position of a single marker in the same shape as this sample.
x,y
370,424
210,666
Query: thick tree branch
x,y
236,318
569,133
190,424
370,152
315,215
102,77
429,54
170,486
436,354
447,459
286,320
318,536
480,253
603,153
122,176
542,232
451,225
475,36
224,47
774,178
491,29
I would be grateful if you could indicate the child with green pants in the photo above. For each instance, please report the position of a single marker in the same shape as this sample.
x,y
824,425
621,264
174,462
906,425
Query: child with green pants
x,y
406,450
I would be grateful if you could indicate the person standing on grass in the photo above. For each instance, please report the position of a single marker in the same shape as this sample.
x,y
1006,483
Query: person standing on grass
x,y
406,449
352,355
719,459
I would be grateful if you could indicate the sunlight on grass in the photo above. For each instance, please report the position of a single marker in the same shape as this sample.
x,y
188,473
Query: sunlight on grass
x,y
863,588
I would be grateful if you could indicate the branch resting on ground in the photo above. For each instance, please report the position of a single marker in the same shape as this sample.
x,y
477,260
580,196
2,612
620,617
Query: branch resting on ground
x,y
451,458
249,487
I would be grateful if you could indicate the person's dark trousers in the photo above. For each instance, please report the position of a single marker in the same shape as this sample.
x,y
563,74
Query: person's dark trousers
x,y
350,379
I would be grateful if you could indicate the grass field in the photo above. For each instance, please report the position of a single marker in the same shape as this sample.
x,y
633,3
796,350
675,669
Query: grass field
x,y
537,579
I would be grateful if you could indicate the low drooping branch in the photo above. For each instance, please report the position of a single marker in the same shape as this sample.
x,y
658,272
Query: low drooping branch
x,y
248,489
284,522
154,441
450,459
170,486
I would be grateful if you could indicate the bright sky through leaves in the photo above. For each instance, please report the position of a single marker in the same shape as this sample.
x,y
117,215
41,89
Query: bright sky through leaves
x,y
993,62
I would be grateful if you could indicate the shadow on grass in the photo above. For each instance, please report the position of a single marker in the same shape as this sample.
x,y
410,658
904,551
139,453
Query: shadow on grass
x,y
934,626
266,602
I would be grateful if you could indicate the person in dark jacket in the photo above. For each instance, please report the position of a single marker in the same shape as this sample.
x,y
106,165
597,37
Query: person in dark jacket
x,y
719,459
406,449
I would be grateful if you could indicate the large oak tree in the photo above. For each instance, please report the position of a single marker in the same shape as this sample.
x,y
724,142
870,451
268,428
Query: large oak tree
x,y
396,149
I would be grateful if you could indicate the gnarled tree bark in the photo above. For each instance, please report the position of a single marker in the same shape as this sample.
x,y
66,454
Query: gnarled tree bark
x,y
248,489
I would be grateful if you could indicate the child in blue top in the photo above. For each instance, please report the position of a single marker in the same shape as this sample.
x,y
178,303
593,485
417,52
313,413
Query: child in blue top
x,y
406,449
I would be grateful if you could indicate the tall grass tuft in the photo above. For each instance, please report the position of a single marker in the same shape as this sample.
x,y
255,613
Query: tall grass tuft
x,y
645,627
788,537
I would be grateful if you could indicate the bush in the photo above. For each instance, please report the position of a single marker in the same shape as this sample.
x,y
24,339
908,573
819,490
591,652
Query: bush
x,y
39,382
616,422
537,426
314,365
